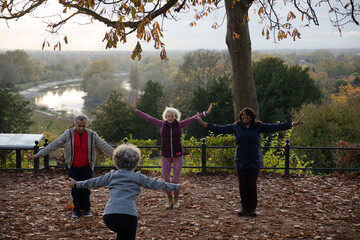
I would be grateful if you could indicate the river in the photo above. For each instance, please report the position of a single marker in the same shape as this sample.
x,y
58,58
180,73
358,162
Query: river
x,y
67,98
65,95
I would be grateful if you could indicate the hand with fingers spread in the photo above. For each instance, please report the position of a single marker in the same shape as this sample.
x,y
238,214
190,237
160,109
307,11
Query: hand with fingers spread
x,y
33,157
298,122
185,185
134,106
209,109
69,183
200,121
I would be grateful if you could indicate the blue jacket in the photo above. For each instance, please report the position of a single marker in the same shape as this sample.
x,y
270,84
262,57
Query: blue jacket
x,y
248,152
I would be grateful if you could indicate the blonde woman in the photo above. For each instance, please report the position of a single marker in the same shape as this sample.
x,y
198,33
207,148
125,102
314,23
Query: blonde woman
x,y
171,147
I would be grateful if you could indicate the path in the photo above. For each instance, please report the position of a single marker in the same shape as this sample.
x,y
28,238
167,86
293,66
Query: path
x,y
299,207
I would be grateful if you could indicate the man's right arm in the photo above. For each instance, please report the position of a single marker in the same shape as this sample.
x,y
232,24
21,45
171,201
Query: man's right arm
x,y
52,146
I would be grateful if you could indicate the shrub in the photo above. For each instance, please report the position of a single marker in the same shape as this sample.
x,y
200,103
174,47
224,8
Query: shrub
x,y
275,157
347,158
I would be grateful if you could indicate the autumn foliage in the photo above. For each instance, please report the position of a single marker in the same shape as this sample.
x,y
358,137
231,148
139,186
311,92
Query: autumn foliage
x,y
299,207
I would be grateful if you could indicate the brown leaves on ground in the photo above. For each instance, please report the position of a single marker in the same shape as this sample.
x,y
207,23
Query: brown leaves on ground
x,y
299,207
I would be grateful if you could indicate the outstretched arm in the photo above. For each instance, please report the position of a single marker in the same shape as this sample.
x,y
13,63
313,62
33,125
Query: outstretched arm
x,y
33,157
201,122
134,106
151,119
70,183
209,109
189,120
298,122
185,185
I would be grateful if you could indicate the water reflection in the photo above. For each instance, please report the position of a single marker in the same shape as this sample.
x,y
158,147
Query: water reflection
x,y
67,98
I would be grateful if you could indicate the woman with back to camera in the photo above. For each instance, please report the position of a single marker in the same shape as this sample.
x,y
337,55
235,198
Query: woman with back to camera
x,y
120,214
247,131
171,147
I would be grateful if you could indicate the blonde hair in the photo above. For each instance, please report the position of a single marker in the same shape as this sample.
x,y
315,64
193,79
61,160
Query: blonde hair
x,y
174,111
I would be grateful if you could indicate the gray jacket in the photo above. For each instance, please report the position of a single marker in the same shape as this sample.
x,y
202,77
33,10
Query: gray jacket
x,y
67,139
124,186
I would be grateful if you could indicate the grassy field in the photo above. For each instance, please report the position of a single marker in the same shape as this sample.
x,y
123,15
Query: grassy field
x,y
51,126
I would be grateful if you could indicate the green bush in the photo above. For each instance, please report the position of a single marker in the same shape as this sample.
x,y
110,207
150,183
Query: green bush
x,y
215,157
275,157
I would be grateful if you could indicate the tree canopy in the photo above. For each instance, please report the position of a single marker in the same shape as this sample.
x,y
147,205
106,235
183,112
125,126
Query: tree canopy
x,y
112,118
98,81
282,89
150,102
143,18
14,110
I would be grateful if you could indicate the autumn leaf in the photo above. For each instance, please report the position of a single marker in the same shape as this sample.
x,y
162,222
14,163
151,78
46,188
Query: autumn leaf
x,y
261,11
137,52
235,36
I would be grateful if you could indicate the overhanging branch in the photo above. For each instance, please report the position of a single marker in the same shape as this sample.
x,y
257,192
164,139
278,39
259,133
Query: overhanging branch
x,y
110,23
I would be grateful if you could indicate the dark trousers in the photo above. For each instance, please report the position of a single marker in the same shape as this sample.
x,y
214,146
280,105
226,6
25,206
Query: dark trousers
x,y
123,224
81,196
248,188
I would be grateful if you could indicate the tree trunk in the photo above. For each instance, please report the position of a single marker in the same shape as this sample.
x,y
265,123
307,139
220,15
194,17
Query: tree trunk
x,y
243,88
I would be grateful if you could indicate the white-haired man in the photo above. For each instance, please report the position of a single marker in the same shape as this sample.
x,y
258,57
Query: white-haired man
x,y
80,159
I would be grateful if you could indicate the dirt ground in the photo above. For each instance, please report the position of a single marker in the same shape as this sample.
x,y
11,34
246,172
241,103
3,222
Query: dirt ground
x,y
299,207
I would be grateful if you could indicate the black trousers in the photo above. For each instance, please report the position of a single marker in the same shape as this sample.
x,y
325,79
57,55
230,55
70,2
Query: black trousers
x,y
123,224
81,196
248,188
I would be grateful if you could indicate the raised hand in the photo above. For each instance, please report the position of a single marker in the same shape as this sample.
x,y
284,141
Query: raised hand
x,y
201,122
134,106
209,109
298,122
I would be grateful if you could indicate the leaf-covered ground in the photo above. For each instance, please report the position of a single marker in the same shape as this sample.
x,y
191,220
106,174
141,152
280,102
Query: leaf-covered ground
x,y
299,207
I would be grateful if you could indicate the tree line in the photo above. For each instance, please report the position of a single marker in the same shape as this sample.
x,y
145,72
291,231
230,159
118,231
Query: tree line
x,y
284,89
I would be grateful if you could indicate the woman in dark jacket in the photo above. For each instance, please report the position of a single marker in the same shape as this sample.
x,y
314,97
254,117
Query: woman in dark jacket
x,y
247,131
171,147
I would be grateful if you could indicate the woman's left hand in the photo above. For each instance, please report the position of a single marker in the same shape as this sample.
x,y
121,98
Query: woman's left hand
x,y
70,183
209,109
185,185
298,122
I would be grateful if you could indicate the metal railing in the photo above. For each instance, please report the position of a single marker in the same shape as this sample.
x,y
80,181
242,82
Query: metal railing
x,y
203,166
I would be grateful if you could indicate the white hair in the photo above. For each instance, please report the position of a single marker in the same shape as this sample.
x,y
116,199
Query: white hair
x,y
174,111
126,156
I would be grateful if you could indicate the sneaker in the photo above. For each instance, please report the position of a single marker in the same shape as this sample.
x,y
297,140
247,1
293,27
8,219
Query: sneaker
x,y
242,213
253,214
87,213
76,214
170,202
176,202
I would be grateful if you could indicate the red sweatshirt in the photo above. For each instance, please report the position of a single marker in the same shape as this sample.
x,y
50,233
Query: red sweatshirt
x,y
81,150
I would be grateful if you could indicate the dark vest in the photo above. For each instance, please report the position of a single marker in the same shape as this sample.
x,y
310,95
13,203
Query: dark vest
x,y
171,140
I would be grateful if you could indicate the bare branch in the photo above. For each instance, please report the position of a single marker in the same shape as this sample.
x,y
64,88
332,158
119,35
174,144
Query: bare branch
x,y
353,12
21,12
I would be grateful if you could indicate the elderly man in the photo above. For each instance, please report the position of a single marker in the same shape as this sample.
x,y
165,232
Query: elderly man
x,y
80,158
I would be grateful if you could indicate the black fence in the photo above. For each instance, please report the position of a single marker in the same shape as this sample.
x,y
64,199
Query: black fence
x,y
203,166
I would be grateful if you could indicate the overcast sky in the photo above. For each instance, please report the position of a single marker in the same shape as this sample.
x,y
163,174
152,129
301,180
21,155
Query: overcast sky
x,y
28,34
